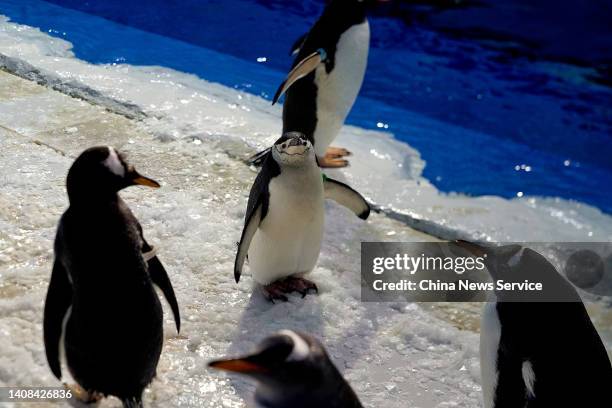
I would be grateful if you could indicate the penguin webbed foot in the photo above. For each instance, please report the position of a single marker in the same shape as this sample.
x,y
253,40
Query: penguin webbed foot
x,y
336,152
277,290
82,395
334,158
302,286
273,292
332,163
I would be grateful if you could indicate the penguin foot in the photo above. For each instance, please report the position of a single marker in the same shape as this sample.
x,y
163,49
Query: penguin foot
x,y
299,285
276,290
336,152
331,162
82,395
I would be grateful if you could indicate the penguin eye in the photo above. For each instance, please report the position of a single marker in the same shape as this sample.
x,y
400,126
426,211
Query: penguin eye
x,y
284,145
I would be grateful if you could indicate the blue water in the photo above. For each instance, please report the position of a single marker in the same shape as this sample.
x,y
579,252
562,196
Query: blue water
x,y
487,119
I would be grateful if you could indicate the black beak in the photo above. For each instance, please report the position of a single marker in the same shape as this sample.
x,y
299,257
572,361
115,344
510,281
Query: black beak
x,y
297,141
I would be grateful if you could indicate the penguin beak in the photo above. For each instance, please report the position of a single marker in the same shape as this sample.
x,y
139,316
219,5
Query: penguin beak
x,y
471,247
137,178
296,141
239,365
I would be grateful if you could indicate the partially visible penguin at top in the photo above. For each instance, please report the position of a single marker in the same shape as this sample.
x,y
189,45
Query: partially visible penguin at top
x,y
283,226
326,77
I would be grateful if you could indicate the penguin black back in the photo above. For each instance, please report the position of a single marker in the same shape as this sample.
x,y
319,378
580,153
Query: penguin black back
x,y
102,285
540,354
299,109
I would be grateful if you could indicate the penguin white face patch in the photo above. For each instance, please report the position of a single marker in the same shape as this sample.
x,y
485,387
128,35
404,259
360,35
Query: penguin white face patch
x,y
301,349
113,163
293,151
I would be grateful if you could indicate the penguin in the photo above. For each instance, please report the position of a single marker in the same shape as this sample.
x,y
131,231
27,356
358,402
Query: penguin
x,y
102,313
326,77
293,370
538,353
283,227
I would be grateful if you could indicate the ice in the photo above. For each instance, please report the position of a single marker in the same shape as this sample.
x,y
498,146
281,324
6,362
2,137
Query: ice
x,y
191,136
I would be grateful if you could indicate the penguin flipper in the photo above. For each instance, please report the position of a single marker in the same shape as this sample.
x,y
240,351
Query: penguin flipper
x,y
510,389
160,278
57,303
297,45
258,158
346,196
250,227
303,68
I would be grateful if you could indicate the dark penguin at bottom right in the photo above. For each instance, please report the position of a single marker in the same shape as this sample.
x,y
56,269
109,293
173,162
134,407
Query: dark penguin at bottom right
x,y
539,354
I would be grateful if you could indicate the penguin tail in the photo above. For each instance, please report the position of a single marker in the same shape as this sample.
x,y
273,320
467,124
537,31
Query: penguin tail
x,y
132,402
258,158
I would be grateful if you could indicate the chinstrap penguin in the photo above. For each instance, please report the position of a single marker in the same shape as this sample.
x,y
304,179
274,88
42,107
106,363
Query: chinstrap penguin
x,y
293,370
102,312
326,77
538,354
283,227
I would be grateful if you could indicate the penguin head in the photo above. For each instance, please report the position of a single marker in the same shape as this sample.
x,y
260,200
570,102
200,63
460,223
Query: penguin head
x,y
101,172
516,263
293,149
283,364
358,3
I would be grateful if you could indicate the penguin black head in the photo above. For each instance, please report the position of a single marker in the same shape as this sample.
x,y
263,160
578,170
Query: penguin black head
x,y
350,11
293,149
515,263
101,172
283,364
361,4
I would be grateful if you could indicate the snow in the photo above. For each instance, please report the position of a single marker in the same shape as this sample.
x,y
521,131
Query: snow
x,y
194,220
190,137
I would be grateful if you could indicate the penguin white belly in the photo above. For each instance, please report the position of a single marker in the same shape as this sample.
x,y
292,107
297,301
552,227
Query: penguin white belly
x,y
490,334
288,240
337,91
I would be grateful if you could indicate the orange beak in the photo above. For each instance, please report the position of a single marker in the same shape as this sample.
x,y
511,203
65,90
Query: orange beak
x,y
144,181
239,365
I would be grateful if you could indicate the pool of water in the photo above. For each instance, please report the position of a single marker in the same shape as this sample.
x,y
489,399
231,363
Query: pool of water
x,y
538,127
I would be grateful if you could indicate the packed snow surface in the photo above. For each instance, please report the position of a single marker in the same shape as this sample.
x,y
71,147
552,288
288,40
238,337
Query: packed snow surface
x,y
191,137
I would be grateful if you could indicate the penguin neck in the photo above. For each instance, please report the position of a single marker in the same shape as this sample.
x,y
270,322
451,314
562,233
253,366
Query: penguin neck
x,y
300,396
295,397
92,198
300,399
338,11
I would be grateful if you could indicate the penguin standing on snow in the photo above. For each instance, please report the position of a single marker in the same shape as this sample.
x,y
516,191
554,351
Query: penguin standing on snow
x,y
538,354
283,227
293,370
102,312
326,76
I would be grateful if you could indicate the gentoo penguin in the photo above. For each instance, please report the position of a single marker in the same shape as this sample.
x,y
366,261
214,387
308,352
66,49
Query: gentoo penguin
x,y
102,312
283,227
293,371
326,76
538,354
